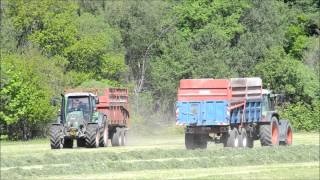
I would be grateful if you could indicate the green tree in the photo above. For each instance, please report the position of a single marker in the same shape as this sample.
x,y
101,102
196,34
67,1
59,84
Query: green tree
x,y
141,24
28,83
49,21
283,74
98,52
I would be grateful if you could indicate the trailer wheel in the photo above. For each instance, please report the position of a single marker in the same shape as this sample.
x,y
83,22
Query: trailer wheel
x,y
116,138
232,139
250,142
123,138
189,141
68,143
269,133
92,136
243,138
56,135
202,141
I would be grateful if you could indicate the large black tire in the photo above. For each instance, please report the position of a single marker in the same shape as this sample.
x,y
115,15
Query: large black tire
x,y
287,133
243,138
56,135
189,141
269,133
68,143
194,141
116,138
92,136
201,141
104,136
232,139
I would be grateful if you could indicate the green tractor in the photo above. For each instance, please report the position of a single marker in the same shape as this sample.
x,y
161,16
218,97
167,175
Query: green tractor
x,y
79,120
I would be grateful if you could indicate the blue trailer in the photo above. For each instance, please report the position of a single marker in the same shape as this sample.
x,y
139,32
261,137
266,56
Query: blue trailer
x,y
234,112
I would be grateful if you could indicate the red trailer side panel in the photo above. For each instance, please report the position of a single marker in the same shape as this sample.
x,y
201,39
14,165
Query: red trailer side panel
x,y
235,90
114,103
204,89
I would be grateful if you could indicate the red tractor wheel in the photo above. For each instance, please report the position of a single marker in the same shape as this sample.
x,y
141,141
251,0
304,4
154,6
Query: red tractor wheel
x,y
269,133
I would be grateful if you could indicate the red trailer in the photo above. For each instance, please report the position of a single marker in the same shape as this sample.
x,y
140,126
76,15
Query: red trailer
x,y
113,102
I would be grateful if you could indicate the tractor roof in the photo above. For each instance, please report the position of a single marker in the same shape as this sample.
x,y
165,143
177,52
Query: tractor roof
x,y
266,91
79,94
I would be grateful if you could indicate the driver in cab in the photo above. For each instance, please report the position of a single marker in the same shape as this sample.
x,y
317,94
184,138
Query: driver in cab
x,y
76,105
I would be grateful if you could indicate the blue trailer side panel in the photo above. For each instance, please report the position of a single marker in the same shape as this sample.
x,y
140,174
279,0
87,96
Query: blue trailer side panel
x,y
212,113
253,111
203,113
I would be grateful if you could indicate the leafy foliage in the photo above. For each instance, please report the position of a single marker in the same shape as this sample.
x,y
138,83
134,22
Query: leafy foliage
x,y
283,74
26,89
303,116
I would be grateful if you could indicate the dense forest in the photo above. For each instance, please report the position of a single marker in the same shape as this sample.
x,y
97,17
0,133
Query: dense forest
x,y
148,46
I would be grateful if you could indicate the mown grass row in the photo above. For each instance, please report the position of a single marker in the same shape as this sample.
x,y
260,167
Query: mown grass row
x,y
283,171
107,162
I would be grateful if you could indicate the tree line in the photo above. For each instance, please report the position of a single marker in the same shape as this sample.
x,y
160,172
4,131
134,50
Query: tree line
x,y
148,46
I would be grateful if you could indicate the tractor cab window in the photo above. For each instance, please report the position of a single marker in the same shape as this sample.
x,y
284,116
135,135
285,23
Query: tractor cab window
x,y
268,103
79,104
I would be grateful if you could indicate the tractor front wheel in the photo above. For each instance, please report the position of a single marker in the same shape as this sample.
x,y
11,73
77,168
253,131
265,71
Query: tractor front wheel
x,y
286,131
81,142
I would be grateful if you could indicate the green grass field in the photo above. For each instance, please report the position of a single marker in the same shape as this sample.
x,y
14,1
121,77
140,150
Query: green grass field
x,y
161,158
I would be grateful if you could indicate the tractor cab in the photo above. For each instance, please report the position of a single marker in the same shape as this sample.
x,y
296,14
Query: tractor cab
x,y
268,101
78,108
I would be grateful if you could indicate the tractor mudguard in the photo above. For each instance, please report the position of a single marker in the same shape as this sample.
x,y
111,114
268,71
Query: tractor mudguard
x,y
270,114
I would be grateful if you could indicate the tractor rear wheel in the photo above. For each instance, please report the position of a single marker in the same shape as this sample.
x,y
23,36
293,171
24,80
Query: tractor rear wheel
x,y
92,136
232,139
269,133
56,135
